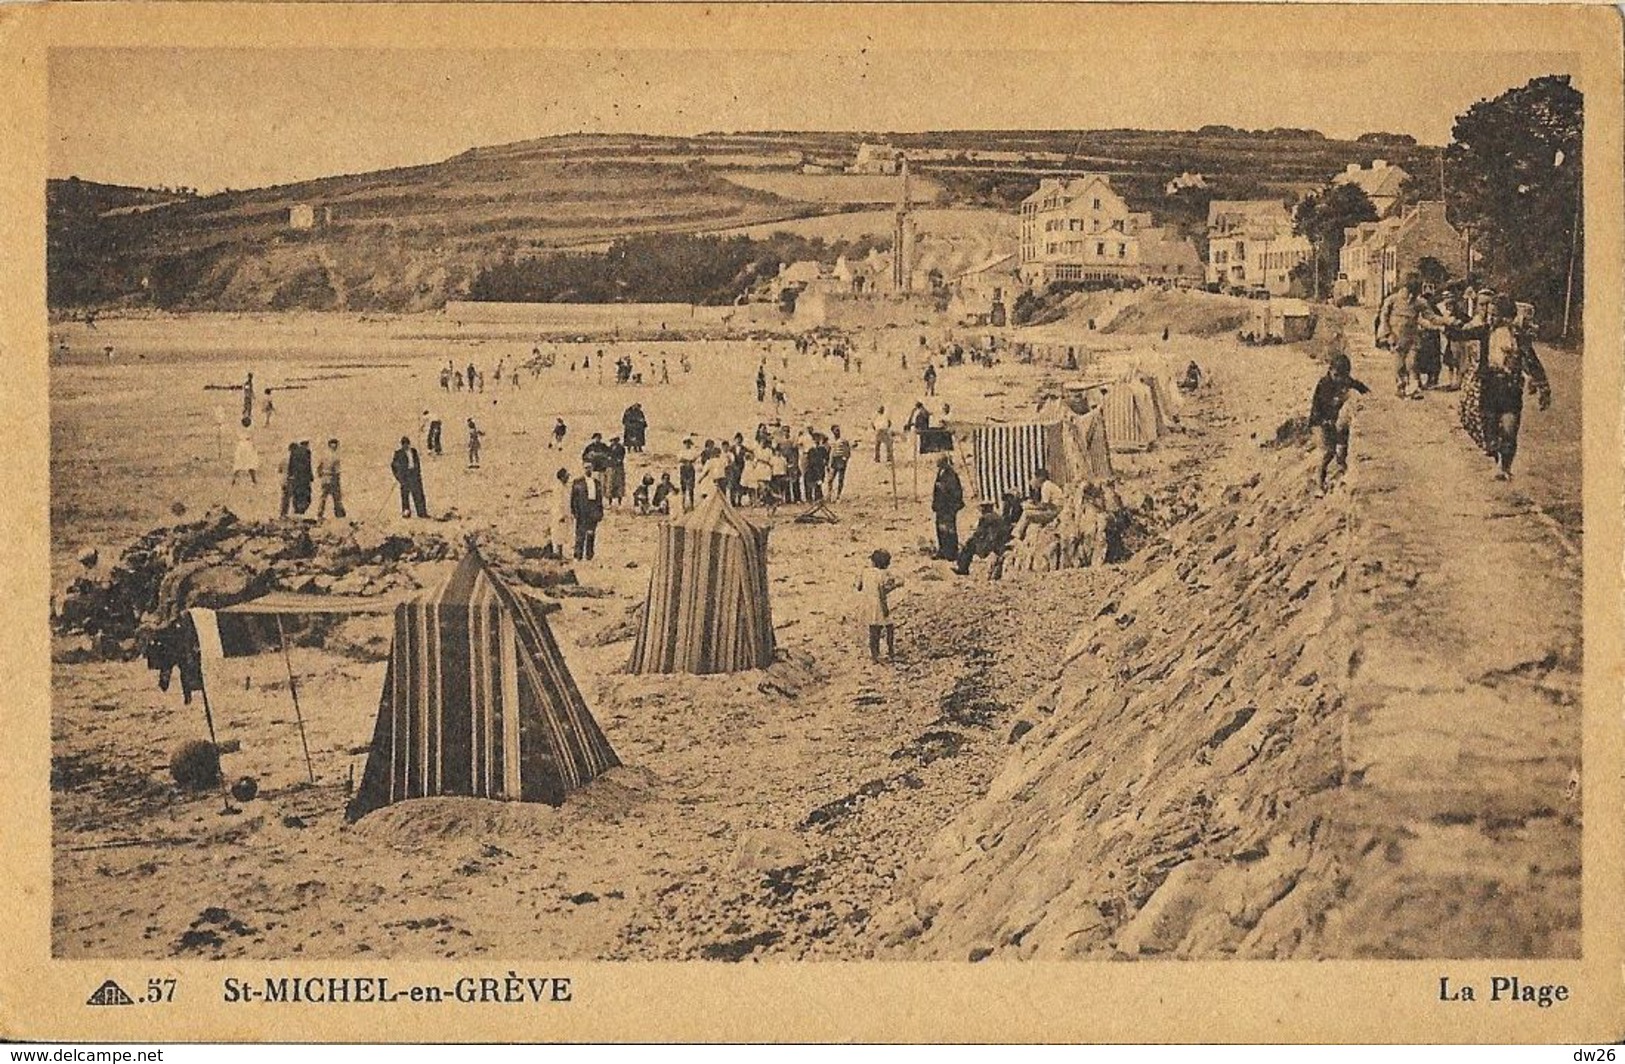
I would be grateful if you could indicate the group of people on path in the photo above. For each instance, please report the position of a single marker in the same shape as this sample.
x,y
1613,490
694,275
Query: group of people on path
x,y
1481,340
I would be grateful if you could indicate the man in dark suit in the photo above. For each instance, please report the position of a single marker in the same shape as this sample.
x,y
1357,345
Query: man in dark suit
x,y
587,507
947,499
407,465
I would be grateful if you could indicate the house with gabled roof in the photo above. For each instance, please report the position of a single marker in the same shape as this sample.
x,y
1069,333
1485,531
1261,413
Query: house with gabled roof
x,y
1380,182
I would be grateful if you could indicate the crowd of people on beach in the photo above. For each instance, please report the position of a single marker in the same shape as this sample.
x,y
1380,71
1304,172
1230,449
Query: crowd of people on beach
x,y
1460,337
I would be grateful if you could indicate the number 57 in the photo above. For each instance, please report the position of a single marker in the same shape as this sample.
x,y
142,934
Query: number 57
x,y
160,990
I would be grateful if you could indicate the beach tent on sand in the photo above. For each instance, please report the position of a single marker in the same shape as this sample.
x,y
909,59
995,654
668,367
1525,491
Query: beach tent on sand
x,y
1134,418
1072,449
478,701
708,608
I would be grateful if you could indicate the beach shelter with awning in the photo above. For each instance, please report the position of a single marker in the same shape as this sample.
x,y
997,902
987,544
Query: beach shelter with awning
x,y
708,608
478,701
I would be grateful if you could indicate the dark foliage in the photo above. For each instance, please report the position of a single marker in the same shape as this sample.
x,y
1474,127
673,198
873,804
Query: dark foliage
x,y
1322,216
661,268
1514,171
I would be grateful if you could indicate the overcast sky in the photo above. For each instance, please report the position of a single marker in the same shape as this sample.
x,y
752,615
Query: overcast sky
x,y
238,118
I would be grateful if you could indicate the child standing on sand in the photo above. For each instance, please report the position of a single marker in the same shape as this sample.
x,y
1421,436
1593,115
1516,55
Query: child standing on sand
x,y
875,584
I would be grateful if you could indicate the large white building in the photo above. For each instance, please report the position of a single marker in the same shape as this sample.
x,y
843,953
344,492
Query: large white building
x,y
1250,244
1079,229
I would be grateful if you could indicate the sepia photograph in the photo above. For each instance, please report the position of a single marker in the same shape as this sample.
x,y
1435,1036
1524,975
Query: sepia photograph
x,y
839,498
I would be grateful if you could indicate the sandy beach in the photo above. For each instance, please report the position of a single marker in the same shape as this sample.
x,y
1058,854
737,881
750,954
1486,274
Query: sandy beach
x,y
827,806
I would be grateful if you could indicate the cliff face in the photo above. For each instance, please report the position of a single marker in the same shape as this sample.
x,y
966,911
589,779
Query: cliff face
x,y
1311,727
1171,798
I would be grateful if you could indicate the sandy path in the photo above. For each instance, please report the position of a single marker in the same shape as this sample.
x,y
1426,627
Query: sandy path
x,y
1462,826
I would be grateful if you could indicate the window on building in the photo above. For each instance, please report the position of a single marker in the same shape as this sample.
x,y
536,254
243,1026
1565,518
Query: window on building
x,y
1097,203
1122,251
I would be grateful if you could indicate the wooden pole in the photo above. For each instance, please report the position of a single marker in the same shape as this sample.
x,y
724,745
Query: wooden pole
x,y
1568,292
916,464
891,462
208,718
293,689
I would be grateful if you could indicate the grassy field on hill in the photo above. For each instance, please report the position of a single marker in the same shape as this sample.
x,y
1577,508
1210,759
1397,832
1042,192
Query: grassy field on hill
x,y
410,238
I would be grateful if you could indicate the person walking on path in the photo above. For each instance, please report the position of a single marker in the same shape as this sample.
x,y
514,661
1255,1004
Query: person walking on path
x,y
407,466
874,588
1505,366
432,440
947,499
329,472
1400,320
587,509
560,430
248,400
1329,416
267,409
475,435
761,382
1472,336
930,379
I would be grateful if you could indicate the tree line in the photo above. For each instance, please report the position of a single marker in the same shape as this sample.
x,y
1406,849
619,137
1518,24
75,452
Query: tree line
x,y
659,268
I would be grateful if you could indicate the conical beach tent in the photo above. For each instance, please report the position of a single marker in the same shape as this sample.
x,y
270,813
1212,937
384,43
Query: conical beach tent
x,y
708,608
1086,456
1133,418
478,701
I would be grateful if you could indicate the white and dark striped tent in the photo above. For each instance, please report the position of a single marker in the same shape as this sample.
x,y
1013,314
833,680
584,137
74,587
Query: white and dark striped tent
x,y
1072,450
1006,456
478,701
708,608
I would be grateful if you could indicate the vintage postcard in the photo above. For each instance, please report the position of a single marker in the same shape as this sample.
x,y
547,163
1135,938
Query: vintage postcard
x,y
820,522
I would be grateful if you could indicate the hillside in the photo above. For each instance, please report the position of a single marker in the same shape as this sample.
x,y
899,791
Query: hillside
x,y
412,237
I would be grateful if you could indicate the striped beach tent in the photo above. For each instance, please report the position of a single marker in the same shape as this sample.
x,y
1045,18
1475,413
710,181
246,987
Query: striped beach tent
x,y
1006,456
478,701
708,608
1085,454
1133,417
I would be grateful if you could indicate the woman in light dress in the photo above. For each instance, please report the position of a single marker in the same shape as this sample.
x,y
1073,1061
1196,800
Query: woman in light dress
x,y
560,530
247,458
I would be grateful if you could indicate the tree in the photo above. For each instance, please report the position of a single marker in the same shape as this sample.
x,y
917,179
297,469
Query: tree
x,y
1514,172
1322,216
1432,271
